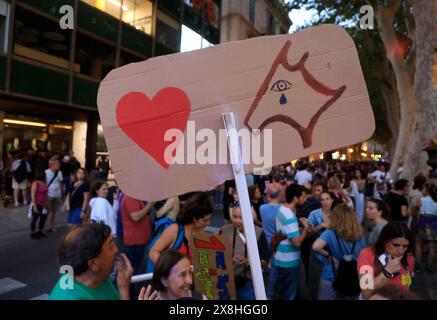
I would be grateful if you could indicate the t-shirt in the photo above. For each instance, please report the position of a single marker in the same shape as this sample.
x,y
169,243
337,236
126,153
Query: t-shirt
x,y
303,177
287,255
376,231
134,232
101,210
428,206
367,258
106,291
338,250
268,217
76,198
55,187
316,219
395,202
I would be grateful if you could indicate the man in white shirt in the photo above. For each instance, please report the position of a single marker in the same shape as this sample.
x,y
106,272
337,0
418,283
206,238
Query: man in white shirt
x,y
55,185
303,176
382,178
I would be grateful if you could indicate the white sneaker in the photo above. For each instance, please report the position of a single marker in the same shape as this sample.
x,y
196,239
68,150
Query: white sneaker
x,y
16,204
25,202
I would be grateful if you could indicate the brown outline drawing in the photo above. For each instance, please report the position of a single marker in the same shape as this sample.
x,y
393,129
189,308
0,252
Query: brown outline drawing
x,y
305,133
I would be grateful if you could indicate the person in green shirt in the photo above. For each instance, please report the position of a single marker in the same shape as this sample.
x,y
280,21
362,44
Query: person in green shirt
x,y
90,251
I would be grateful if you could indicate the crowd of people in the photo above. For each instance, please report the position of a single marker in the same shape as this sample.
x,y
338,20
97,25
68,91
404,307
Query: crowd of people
x,y
342,223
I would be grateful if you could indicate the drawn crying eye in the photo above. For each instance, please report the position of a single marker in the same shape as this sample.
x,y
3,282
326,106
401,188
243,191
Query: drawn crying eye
x,y
281,85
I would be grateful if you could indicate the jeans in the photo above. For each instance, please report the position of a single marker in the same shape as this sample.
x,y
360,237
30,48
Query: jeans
x,y
42,219
135,254
246,292
283,283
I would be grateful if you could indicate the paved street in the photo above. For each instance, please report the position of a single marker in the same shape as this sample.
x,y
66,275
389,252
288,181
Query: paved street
x,y
28,268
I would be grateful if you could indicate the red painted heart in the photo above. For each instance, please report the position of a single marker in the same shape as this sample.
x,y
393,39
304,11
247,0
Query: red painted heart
x,y
146,121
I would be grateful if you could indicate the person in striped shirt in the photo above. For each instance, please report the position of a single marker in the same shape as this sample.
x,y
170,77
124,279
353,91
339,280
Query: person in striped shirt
x,y
284,275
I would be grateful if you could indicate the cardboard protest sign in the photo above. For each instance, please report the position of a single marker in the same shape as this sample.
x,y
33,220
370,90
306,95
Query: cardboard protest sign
x,y
213,266
294,95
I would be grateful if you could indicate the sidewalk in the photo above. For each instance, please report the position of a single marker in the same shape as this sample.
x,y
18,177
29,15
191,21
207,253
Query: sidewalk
x,y
16,220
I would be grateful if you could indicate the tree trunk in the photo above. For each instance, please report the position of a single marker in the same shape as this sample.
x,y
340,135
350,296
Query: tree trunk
x,y
425,14
391,99
385,16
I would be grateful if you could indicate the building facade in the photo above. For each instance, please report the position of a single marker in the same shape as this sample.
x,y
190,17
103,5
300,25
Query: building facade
x,y
243,19
49,77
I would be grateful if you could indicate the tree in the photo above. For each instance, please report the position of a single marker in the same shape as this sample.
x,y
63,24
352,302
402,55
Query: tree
x,y
425,86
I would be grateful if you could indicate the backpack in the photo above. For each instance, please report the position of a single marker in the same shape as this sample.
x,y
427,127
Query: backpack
x,y
346,279
20,174
158,228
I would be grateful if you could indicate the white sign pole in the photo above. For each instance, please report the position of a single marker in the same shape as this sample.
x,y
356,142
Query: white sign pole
x,y
246,212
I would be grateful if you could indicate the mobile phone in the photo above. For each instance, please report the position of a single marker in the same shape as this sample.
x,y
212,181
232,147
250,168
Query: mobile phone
x,y
383,258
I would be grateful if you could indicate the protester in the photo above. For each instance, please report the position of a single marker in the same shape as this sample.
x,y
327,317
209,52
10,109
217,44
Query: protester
x,y
234,232
414,200
334,185
312,202
427,226
284,275
397,201
357,186
268,213
39,204
101,209
77,198
382,182
54,184
136,230
344,238
20,170
303,177
256,200
103,165
377,213
194,216
172,279
319,220
276,185
390,260
90,252
169,209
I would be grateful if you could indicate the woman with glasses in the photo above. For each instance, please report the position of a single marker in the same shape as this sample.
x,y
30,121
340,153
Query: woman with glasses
x,y
172,279
389,261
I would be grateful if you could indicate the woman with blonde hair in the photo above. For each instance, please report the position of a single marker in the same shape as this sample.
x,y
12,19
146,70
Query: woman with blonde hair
x,y
343,240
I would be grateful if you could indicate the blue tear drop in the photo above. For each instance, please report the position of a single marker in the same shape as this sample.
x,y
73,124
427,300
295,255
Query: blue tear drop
x,y
283,99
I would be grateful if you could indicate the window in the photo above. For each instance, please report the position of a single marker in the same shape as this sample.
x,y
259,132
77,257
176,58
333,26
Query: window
x,y
139,14
112,7
126,58
4,14
95,58
41,39
192,40
168,31
252,5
